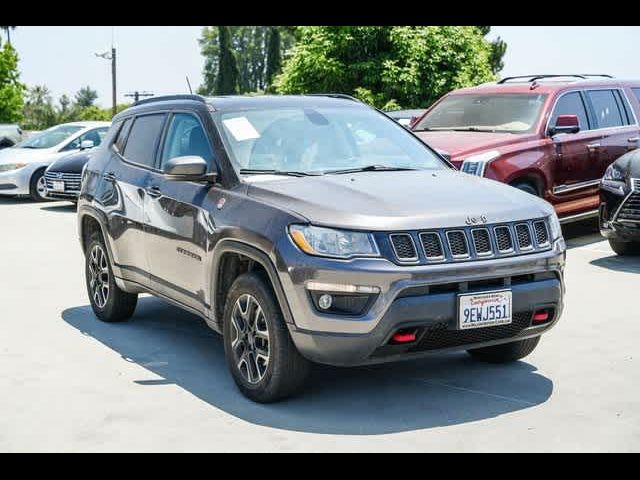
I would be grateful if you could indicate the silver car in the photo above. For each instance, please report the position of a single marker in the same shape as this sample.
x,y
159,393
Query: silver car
x,y
22,166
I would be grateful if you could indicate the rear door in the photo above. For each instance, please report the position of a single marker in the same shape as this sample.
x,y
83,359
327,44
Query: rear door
x,y
178,228
125,179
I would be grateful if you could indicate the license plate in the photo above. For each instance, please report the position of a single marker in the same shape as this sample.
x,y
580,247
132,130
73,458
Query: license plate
x,y
58,186
484,309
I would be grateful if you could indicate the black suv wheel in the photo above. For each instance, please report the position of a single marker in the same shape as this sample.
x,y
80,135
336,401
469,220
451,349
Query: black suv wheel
x,y
624,248
108,301
263,360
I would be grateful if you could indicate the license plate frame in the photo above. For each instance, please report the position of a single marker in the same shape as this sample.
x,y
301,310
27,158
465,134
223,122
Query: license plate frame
x,y
489,317
58,186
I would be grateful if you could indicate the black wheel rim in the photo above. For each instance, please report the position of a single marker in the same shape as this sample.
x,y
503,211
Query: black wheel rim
x,y
250,339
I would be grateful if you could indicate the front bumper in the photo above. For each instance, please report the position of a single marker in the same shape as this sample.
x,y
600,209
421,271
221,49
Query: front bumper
x,y
16,182
420,296
613,199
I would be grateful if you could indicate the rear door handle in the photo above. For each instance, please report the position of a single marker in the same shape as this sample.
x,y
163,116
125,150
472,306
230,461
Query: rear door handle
x,y
109,177
154,192
593,146
633,139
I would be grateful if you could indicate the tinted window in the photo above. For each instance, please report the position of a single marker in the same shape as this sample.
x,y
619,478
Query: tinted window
x,y
186,137
122,134
143,139
96,136
605,108
624,106
571,104
636,92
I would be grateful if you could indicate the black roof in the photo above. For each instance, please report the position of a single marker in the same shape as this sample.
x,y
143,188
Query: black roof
x,y
239,102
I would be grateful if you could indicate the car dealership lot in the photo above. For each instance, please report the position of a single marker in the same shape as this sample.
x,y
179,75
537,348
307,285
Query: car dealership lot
x,y
159,383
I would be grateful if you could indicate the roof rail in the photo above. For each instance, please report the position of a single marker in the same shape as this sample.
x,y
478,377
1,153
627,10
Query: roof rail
x,y
533,78
166,98
334,95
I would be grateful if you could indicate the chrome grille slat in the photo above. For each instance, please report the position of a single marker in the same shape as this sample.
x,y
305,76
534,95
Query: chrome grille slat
x,y
482,242
504,240
458,244
630,209
523,234
72,181
404,247
432,246
541,232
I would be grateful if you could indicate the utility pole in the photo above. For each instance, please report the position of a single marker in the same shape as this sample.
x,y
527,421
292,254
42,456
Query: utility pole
x,y
136,95
111,56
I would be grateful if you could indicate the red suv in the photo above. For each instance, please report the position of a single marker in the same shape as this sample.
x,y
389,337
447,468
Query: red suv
x,y
551,135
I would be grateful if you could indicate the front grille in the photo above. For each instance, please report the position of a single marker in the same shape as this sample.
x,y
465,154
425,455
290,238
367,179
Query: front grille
x,y
542,235
504,240
630,210
482,241
458,243
71,180
524,236
404,247
439,336
635,183
432,246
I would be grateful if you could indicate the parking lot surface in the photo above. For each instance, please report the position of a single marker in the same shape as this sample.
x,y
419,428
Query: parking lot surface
x,y
159,382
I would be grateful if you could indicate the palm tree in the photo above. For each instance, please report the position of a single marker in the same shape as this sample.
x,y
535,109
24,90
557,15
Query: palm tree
x,y
7,30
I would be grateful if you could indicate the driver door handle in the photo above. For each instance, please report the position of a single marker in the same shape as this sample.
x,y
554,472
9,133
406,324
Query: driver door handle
x,y
593,146
633,139
154,192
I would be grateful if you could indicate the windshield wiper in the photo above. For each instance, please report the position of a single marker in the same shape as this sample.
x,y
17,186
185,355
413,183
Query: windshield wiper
x,y
291,173
370,168
474,129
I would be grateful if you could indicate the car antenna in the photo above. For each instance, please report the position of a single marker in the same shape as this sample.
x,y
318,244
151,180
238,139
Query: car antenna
x,y
189,84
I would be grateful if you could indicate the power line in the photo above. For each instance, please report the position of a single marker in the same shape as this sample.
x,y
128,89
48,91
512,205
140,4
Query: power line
x,y
136,95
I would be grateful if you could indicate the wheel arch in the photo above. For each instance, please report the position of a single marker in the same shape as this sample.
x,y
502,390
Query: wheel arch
x,y
531,177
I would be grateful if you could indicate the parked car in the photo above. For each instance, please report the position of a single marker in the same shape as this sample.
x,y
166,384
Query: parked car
x,y
62,177
549,135
10,134
22,166
406,118
620,204
313,229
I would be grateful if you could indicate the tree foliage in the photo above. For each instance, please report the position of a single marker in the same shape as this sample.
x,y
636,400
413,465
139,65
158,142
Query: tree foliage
x,y
11,90
274,55
251,48
7,30
498,49
86,96
227,80
387,66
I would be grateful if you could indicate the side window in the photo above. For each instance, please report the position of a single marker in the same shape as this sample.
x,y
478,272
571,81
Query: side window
x,y
636,92
186,137
571,104
122,135
624,106
143,139
605,108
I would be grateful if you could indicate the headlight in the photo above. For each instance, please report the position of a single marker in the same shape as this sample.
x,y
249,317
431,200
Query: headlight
x,y
555,230
613,174
327,242
7,167
476,164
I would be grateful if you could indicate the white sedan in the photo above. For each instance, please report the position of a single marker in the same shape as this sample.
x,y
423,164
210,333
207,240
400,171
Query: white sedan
x,y
22,166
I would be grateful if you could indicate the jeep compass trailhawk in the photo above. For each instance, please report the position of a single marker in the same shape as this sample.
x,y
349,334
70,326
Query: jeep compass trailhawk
x,y
313,229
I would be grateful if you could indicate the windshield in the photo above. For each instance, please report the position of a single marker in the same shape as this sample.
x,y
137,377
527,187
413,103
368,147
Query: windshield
x,y
514,113
321,140
50,138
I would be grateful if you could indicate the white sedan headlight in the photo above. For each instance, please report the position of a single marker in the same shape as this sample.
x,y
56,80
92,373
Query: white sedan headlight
x,y
476,164
328,242
8,167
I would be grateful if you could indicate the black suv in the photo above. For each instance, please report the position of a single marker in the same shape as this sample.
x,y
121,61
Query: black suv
x,y
313,229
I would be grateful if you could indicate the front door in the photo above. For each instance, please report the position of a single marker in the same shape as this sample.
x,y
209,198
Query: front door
x,y
178,227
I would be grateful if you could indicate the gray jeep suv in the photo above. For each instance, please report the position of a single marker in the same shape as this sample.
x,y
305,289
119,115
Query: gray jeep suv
x,y
313,229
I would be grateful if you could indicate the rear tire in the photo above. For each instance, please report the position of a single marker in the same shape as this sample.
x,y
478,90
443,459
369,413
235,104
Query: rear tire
x,y
108,301
261,356
624,248
506,352
37,187
525,187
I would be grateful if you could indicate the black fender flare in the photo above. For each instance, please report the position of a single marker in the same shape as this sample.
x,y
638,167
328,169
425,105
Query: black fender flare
x,y
258,256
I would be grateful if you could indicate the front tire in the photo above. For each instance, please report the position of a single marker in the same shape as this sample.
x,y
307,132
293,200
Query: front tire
x,y
624,248
525,187
108,301
506,352
37,187
264,362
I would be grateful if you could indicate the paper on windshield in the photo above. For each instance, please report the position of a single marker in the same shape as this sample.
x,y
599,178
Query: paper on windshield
x,y
241,128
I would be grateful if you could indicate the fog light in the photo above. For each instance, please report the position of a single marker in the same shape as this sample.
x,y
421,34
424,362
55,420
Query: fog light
x,y
325,301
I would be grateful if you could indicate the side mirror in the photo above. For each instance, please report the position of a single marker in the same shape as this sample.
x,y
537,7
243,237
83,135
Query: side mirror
x,y
565,124
188,168
86,144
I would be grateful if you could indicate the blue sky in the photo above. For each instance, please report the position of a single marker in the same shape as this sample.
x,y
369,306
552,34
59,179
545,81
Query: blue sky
x,y
157,59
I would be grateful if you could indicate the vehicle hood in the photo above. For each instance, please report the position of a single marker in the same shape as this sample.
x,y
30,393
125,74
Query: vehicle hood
x,y
406,200
26,155
462,144
629,164
71,163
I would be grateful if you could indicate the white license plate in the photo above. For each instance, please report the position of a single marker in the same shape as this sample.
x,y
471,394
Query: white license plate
x,y
58,187
484,309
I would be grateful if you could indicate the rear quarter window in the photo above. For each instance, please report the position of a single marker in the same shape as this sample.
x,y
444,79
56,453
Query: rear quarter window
x,y
605,108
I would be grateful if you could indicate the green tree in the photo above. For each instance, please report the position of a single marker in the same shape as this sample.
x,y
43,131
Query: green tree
x,y
86,96
7,29
11,90
387,66
274,55
498,50
39,112
227,79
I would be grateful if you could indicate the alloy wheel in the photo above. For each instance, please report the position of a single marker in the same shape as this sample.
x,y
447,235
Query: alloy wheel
x,y
99,276
250,338
41,187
